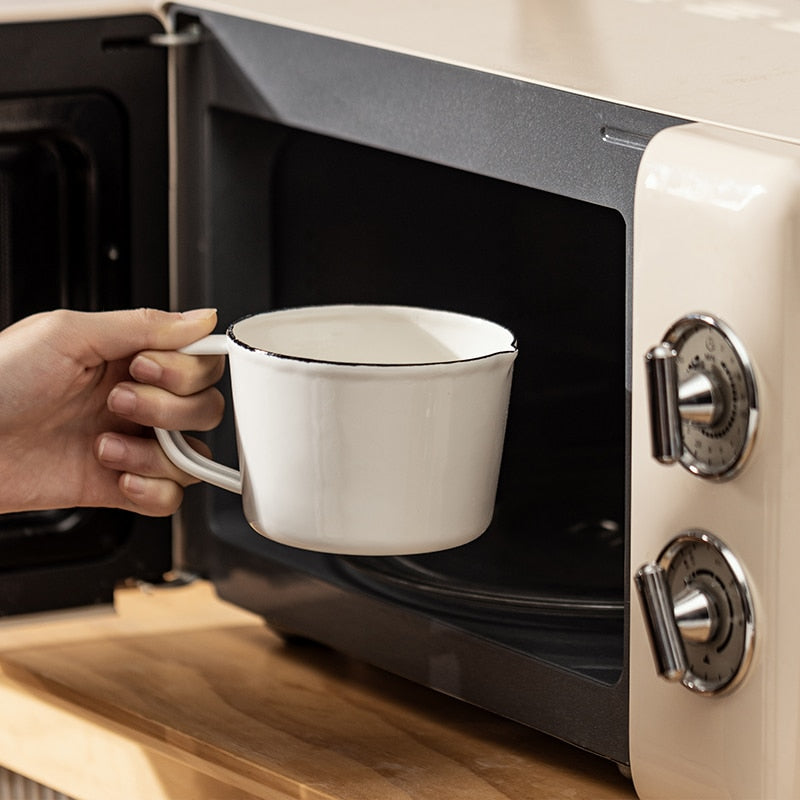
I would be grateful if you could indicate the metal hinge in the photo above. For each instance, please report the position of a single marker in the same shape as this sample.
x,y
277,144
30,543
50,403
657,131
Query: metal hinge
x,y
189,35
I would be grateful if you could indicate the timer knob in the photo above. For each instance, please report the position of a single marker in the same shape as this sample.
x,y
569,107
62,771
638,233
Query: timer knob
x,y
703,405
699,613
690,616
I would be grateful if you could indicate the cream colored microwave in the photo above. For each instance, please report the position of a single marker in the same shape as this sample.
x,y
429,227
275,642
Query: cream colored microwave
x,y
617,182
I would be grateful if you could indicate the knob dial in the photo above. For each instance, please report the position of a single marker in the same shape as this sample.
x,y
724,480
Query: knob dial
x,y
703,401
699,612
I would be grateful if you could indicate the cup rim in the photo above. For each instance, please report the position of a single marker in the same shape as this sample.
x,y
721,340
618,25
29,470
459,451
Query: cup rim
x,y
510,349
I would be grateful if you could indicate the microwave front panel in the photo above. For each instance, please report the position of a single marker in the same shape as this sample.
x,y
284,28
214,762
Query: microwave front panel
x,y
83,199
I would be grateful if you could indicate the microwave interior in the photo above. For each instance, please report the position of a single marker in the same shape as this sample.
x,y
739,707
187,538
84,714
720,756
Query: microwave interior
x,y
331,221
352,224
313,171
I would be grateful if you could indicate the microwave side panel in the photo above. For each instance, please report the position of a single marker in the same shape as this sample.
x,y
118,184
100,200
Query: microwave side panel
x,y
83,174
243,93
718,216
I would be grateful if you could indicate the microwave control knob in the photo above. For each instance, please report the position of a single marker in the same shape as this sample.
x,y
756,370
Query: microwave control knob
x,y
699,613
703,403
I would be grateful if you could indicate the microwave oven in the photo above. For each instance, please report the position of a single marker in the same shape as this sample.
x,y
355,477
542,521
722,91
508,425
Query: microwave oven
x,y
617,182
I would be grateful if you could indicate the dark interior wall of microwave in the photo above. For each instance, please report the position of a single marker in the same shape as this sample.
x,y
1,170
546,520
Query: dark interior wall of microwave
x,y
82,225
305,219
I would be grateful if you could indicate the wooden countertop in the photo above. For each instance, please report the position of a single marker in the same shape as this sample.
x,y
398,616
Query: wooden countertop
x,y
182,696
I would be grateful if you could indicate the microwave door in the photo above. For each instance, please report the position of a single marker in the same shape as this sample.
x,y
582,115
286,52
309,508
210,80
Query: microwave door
x,y
83,224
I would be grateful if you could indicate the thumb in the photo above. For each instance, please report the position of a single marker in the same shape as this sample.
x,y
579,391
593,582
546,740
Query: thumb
x,y
111,335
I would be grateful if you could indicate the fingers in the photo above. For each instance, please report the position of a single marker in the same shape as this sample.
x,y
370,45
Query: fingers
x,y
169,390
142,456
172,391
149,483
175,372
154,407
153,497
112,335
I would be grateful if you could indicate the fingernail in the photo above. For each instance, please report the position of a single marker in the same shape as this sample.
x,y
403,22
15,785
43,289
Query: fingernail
x,y
122,400
111,449
133,484
198,314
146,370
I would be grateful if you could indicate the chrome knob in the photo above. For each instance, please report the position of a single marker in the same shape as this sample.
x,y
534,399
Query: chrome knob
x,y
697,399
702,397
698,612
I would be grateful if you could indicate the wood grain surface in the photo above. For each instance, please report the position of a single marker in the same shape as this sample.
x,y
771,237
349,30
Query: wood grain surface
x,y
180,695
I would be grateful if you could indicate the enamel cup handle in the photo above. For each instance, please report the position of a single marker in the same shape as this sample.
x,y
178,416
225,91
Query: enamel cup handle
x,y
178,450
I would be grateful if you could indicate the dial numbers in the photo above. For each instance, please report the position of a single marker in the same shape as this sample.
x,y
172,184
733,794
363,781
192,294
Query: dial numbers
x,y
706,346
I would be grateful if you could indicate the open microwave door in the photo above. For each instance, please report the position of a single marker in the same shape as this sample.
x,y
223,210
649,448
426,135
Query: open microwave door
x,y
83,224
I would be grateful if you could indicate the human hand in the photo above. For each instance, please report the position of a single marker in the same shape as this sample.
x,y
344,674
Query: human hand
x,y
79,395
